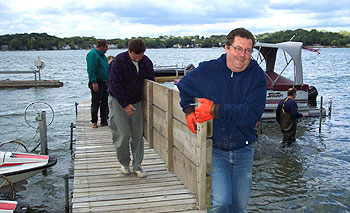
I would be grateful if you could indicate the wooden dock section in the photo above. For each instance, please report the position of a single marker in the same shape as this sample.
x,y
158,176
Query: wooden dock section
x,y
100,187
29,84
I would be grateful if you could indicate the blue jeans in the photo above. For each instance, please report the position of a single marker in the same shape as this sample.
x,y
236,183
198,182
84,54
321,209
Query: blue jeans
x,y
231,179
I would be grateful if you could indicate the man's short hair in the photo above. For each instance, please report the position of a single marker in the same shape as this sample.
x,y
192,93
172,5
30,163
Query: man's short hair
x,y
137,46
241,32
102,43
292,91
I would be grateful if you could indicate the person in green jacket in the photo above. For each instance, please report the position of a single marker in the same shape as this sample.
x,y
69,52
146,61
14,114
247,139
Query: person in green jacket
x,y
97,69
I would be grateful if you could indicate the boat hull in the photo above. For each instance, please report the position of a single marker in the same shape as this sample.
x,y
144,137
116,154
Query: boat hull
x,y
20,166
7,206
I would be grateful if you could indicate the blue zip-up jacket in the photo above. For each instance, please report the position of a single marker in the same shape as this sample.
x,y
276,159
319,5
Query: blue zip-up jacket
x,y
241,97
97,66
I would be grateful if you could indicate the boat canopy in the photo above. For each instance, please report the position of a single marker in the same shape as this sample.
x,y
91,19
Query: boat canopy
x,y
269,52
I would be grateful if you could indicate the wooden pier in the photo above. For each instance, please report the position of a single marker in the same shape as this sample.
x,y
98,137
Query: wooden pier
x,y
100,187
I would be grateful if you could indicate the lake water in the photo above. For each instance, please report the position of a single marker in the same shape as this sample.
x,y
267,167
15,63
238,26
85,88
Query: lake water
x,y
311,176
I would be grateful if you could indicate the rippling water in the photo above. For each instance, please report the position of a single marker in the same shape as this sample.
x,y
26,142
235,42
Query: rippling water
x,y
311,176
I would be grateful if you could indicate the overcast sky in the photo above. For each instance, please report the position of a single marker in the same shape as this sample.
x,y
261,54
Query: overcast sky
x,y
132,18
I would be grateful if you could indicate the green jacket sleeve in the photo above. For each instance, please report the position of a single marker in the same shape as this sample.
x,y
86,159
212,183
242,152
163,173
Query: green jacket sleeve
x,y
91,62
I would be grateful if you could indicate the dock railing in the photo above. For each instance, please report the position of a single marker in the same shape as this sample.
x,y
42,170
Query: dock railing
x,y
188,155
35,72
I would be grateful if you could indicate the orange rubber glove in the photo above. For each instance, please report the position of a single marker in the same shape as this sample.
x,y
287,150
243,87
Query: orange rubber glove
x,y
205,110
191,122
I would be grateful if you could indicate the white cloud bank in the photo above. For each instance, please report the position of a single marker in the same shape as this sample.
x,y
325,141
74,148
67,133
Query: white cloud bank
x,y
153,18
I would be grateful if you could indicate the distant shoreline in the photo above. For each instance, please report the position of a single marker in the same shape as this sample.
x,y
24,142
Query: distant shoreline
x,y
43,41
314,47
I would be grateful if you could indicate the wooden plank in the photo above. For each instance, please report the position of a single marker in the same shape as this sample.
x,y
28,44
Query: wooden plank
x,y
137,205
145,111
169,133
184,140
159,120
185,170
112,164
177,110
82,181
159,144
112,188
167,78
159,95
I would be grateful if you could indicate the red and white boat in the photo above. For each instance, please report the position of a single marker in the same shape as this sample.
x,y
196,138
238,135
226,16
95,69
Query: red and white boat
x,y
7,206
19,166
278,85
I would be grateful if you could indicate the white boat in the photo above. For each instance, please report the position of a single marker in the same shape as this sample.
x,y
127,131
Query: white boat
x,y
278,85
20,166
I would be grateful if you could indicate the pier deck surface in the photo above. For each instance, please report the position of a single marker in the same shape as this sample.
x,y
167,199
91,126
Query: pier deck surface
x,y
100,187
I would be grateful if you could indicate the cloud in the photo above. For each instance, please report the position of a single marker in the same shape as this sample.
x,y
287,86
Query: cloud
x,y
128,18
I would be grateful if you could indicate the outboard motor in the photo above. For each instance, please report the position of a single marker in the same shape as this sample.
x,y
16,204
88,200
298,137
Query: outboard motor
x,y
312,95
189,67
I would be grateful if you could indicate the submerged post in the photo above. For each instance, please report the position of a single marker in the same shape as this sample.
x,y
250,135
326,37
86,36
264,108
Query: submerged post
x,y
319,128
330,108
76,109
36,81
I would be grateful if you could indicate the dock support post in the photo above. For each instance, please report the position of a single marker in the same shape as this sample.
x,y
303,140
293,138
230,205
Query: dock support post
x,y
43,135
43,132
66,178
66,192
204,158
72,126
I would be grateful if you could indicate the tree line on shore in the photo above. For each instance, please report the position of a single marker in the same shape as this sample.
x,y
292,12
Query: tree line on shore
x,y
43,41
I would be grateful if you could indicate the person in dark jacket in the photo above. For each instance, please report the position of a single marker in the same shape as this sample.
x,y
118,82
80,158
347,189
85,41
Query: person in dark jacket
x,y
97,69
126,75
232,90
287,115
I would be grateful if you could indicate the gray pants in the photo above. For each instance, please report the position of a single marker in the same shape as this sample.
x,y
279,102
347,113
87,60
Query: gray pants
x,y
127,128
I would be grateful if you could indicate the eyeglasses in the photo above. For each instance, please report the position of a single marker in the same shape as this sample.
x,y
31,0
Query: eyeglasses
x,y
239,50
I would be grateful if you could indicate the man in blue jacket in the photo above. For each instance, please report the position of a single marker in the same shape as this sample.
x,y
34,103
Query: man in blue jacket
x,y
287,115
232,90
97,68
126,74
